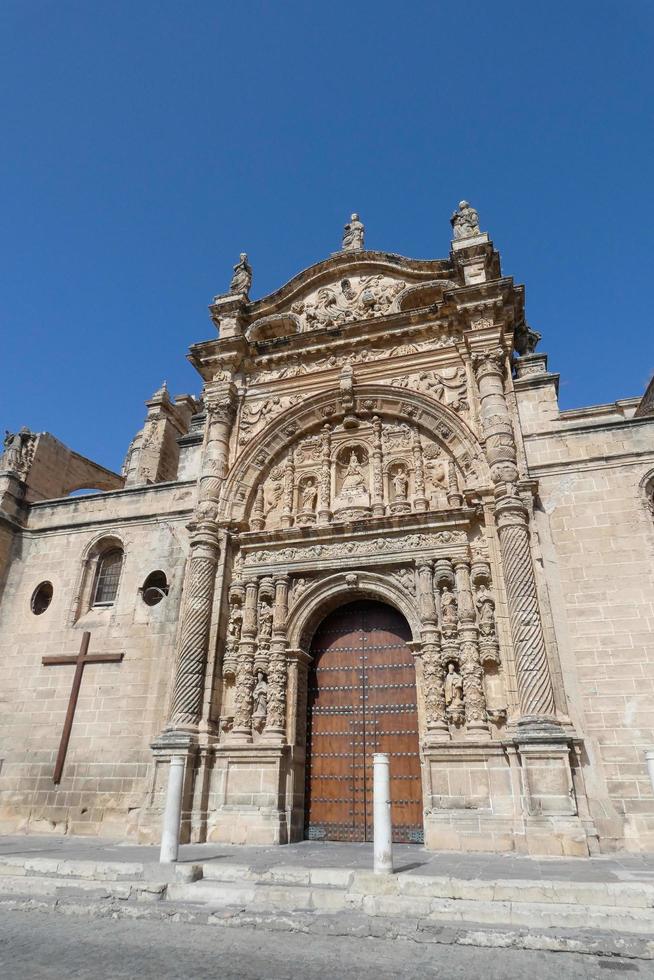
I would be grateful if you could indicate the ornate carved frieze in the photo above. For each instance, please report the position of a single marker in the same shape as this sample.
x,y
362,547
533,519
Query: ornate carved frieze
x,y
277,369
371,547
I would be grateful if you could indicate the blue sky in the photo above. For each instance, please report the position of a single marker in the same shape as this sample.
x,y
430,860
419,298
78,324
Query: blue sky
x,y
147,143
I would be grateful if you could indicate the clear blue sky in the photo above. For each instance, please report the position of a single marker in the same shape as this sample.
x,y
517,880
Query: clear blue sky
x,y
145,144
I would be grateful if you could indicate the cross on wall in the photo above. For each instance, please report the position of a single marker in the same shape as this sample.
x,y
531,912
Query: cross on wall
x,y
81,660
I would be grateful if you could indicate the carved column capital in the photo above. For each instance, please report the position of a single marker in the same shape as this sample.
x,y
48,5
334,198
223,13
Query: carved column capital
x,y
488,362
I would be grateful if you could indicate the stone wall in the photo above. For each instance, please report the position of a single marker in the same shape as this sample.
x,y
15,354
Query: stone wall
x,y
121,706
597,538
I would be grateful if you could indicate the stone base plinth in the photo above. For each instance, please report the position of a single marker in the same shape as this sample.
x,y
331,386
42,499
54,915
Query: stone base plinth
x,y
247,795
502,796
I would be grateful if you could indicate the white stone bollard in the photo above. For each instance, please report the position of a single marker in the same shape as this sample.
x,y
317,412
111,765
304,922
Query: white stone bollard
x,y
383,837
173,812
649,756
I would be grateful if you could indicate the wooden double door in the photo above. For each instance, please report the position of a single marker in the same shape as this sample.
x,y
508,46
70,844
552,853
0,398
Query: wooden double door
x,y
362,700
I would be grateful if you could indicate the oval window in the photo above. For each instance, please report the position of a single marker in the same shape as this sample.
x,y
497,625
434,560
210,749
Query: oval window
x,y
41,598
155,588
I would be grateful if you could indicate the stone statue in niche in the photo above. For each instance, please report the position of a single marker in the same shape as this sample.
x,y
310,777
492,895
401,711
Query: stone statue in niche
x,y
448,608
485,611
353,234
354,482
454,692
309,495
436,471
465,221
234,626
400,484
242,277
260,696
265,620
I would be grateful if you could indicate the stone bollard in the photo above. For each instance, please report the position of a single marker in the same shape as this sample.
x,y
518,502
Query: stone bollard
x,y
383,837
649,756
173,811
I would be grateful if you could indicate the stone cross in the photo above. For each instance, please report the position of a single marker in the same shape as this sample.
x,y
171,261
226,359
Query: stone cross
x,y
81,660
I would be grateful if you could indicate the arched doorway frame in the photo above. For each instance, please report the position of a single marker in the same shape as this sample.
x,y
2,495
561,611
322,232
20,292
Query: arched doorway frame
x,y
305,615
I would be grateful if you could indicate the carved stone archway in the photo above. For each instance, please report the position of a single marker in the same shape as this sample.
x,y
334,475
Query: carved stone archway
x,y
400,405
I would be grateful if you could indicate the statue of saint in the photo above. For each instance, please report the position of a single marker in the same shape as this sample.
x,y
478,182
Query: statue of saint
x,y
14,445
465,221
448,607
400,485
242,278
260,696
234,625
453,687
354,482
353,234
309,495
485,606
265,620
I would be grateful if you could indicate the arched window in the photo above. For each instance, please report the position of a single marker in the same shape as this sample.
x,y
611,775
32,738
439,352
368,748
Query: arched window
x,y
106,578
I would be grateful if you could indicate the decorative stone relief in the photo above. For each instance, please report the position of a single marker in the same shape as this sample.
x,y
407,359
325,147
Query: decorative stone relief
x,y
406,578
279,368
410,542
356,298
448,386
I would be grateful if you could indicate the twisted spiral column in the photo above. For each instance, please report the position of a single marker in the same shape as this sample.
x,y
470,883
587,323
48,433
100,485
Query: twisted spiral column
x,y
535,689
199,581
533,677
188,689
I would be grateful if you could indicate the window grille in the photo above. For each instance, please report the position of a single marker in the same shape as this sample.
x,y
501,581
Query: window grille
x,y
106,581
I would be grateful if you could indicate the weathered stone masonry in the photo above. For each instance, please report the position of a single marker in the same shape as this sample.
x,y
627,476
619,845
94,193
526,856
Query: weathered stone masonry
x,y
379,428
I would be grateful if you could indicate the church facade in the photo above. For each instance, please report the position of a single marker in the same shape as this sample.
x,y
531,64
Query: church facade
x,y
374,531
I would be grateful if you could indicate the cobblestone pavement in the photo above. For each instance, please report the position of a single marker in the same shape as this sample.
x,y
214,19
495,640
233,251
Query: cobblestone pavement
x,y
37,946
409,858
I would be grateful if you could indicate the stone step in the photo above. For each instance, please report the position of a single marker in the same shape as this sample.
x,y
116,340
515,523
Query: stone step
x,y
92,889
390,899
552,891
355,925
15,866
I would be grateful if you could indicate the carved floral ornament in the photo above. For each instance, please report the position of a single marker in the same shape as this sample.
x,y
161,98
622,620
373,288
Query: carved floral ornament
x,y
298,365
345,549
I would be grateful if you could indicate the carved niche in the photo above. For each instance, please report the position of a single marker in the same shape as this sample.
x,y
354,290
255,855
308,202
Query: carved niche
x,y
344,474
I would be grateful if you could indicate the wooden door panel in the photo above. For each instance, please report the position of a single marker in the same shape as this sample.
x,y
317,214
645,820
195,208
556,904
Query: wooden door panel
x,y
362,700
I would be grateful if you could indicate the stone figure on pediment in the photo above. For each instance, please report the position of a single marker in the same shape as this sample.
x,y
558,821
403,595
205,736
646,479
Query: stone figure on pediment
x,y
465,221
242,277
353,234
